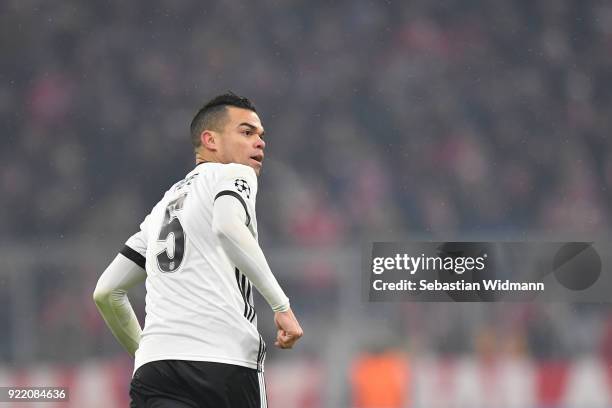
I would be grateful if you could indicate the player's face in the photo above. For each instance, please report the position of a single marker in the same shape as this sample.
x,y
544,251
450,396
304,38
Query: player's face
x,y
242,139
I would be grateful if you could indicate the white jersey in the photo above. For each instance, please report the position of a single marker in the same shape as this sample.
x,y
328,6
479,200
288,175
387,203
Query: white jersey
x,y
198,305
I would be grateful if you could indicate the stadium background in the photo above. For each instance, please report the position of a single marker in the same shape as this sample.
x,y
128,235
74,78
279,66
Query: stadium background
x,y
394,120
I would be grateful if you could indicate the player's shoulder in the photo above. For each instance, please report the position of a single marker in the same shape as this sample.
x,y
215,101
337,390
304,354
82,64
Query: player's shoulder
x,y
226,170
238,178
230,176
237,170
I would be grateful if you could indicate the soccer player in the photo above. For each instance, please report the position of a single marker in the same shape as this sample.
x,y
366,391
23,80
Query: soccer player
x,y
198,251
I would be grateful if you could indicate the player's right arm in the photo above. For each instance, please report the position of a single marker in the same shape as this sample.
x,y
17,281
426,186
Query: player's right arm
x,y
244,252
230,224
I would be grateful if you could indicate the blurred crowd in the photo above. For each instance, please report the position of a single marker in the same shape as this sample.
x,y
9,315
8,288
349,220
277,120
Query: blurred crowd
x,y
384,119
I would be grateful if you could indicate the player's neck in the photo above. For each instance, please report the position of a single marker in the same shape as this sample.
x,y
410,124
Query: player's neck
x,y
200,158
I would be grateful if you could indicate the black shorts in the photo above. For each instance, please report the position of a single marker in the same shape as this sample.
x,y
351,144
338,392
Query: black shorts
x,y
196,384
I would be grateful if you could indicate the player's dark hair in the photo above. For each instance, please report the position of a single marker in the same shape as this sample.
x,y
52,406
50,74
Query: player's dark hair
x,y
212,115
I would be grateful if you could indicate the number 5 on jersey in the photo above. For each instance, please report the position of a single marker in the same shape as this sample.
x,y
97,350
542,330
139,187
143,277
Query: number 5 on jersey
x,y
172,234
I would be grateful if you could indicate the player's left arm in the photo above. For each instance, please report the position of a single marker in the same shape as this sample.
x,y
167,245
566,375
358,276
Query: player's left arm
x,y
124,272
111,299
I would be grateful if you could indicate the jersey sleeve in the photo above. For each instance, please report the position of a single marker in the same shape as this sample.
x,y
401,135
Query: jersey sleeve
x,y
111,299
240,182
135,248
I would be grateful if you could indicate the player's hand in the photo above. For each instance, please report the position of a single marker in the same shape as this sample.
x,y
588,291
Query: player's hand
x,y
289,330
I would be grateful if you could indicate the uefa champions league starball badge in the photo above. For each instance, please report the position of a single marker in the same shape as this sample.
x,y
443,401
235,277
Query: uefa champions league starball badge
x,y
243,187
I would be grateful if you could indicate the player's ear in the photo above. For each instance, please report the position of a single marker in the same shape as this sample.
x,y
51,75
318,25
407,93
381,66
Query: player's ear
x,y
208,138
